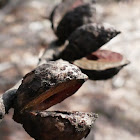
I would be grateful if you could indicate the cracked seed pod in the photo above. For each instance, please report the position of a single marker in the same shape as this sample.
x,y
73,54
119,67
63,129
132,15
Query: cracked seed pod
x,y
48,85
102,64
87,39
62,8
58,125
75,18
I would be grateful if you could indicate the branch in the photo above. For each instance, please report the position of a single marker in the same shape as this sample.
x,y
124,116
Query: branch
x,y
7,100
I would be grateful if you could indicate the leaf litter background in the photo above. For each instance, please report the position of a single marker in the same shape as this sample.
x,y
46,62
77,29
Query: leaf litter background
x,y
25,32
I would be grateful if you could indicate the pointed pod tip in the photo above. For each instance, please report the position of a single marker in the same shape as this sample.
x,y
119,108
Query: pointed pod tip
x,y
84,76
128,62
118,32
110,28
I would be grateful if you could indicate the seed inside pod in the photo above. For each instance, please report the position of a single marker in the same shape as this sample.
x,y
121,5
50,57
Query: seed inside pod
x,y
48,85
87,39
58,125
102,64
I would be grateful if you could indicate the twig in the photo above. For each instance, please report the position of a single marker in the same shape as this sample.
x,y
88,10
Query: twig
x,y
7,100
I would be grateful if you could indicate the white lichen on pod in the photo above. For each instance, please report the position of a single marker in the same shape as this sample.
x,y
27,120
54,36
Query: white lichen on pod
x,y
53,81
80,120
53,73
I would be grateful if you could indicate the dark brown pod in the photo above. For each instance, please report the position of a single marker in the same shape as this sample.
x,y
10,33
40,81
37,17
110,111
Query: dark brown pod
x,y
62,8
75,18
58,125
87,39
102,64
48,85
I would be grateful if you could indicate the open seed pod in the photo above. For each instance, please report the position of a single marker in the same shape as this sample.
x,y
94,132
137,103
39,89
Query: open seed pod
x,y
58,125
62,8
102,64
87,39
75,18
48,85
45,86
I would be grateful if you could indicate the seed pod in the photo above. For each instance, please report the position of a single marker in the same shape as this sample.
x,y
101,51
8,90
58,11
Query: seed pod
x,y
87,39
102,64
48,85
79,16
62,8
58,125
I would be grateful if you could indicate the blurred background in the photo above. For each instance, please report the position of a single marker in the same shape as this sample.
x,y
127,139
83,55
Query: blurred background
x,y
25,31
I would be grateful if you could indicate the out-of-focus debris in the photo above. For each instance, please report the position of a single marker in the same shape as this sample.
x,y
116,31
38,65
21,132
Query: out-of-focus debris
x,y
3,3
5,66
